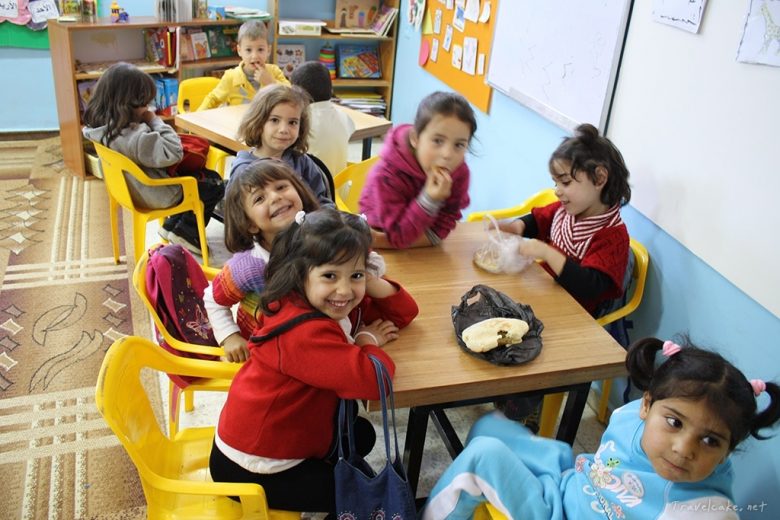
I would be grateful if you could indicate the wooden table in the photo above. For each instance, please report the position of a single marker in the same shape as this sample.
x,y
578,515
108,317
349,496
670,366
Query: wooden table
x,y
433,373
219,125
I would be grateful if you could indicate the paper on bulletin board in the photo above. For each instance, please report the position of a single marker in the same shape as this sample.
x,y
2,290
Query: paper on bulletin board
x,y
476,37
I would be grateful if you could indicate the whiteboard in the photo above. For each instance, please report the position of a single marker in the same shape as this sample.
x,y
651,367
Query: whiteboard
x,y
559,58
700,133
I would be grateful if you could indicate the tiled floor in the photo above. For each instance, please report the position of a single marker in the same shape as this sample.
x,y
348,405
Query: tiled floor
x,y
436,458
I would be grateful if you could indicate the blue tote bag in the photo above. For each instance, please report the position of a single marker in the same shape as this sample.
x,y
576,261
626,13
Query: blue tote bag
x,y
362,494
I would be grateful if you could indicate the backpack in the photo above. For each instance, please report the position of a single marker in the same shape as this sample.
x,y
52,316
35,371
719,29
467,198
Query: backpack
x,y
175,283
196,149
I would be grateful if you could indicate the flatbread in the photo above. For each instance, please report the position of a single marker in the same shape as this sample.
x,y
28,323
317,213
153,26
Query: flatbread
x,y
494,332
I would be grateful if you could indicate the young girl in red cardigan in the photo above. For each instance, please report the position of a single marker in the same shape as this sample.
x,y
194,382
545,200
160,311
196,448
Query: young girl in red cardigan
x,y
581,238
326,308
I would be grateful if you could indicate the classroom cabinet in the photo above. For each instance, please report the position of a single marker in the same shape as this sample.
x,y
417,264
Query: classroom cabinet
x,y
81,50
282,10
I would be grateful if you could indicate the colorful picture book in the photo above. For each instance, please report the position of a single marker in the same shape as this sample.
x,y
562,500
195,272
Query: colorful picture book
x,y
200,45
161,46
288,57
384,20
218,43
358,61
355,13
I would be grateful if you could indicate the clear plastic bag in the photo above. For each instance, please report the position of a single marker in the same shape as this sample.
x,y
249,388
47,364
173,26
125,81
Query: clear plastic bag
x,y
500,254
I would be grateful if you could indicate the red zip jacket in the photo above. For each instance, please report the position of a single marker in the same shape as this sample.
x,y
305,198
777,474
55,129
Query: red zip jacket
x,y
283,402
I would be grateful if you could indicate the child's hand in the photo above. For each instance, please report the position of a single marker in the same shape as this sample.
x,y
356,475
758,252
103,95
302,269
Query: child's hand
x,y
147,116
516,226
382,331
438,184
262,76
533,248
235,348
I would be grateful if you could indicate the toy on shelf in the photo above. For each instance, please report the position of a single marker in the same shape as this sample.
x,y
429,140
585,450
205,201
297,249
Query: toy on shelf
x,y
114,12
123,16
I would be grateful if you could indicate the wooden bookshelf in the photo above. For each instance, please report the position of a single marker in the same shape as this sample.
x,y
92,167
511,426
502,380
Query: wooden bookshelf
x,y
102,41
386,50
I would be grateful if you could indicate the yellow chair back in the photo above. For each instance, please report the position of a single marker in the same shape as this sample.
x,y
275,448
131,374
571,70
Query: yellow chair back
x,y
174,472
349,184
192,92
115,166
536,200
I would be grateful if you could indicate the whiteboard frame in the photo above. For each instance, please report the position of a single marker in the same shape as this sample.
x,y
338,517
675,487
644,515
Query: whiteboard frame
x,y
547,111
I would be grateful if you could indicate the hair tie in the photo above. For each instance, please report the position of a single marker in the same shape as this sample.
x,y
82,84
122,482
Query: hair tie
x,y
363,216
671,348
758,386
300,217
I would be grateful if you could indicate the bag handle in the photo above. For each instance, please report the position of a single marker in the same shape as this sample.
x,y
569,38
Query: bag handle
x,y
287,325
385,386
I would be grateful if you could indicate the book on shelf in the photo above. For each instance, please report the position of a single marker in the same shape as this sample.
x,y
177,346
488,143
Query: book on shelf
x,y
161,45
185,47
358,61
289,56
246,13
86,91
355,13
218,43
384,20
200,45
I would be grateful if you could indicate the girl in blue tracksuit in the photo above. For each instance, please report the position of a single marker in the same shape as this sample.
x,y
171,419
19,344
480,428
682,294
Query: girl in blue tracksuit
x,y
663,456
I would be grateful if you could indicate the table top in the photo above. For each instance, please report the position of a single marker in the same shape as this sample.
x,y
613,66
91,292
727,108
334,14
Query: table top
x,y
219,125
430,366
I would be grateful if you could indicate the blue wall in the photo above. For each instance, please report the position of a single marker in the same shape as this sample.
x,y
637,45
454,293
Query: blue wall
x,y
683,293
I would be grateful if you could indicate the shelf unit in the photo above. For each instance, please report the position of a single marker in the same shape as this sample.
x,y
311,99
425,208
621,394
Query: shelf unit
x,y
386,45
104,41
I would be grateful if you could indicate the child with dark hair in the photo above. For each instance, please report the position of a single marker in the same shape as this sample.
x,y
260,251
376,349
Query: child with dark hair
x,y
276,125
118,116
240,84
325,310
581,239
665,455
260,202
415,193
330,128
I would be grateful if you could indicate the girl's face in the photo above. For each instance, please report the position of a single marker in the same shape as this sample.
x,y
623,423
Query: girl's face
x,y
280,130
336,289
683,439
271,208
442,144
580,197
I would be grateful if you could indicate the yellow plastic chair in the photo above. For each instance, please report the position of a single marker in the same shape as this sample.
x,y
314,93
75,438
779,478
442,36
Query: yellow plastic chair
x,y
349,184
174,472
192,92
536,200
115,166
200,385
216,160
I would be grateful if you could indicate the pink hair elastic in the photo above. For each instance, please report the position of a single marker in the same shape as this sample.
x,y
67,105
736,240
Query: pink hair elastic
x,y
670,348
758,386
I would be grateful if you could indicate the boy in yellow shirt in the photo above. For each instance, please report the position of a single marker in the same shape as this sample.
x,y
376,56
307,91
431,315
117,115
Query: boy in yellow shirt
x,y
239,84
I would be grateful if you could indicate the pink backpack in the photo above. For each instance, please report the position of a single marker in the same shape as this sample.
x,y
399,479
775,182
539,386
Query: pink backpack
x,y
175,283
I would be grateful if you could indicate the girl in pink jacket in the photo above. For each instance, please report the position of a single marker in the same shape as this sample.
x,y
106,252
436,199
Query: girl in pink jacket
x,y
414,195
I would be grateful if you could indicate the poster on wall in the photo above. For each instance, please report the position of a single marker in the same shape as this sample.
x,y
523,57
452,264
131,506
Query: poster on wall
x,y
459,39
761,37
683,14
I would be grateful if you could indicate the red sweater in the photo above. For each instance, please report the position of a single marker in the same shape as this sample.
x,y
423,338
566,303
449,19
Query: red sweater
x,y
283,402
608,253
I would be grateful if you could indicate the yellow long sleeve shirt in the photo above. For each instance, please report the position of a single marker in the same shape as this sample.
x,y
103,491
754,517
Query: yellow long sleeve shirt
x,y
235,88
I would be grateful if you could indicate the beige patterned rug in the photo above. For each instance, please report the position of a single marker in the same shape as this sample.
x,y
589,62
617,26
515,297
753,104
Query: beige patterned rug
x,y
63,302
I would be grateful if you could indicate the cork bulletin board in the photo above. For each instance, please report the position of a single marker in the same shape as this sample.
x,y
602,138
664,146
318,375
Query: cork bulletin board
x,y
455,47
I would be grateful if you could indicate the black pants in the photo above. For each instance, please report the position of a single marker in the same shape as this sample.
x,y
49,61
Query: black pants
x,y
308,486
211,190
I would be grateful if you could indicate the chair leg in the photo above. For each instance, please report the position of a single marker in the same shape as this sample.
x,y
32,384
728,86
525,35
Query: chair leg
x,y
139,236
550,408
113,209
204,247
174,394
606,389
189,400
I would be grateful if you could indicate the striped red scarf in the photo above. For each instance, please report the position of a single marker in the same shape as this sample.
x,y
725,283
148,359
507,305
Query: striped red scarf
x,y
573,238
